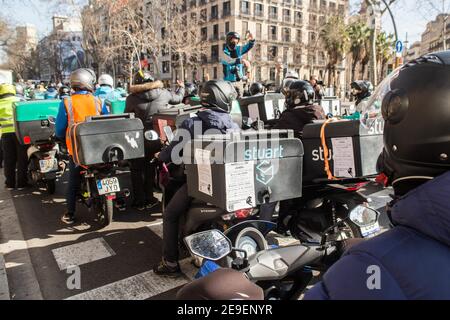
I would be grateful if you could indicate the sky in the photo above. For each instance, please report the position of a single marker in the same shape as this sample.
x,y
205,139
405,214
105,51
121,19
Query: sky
x,y
410,17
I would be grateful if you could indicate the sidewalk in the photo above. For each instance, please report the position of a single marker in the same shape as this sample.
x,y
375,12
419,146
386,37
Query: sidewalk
x,y
21,278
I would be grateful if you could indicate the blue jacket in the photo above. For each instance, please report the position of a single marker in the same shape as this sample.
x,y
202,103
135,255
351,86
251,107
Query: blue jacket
x,y
208,119
227,65
413,258
61,118
107,93
51,93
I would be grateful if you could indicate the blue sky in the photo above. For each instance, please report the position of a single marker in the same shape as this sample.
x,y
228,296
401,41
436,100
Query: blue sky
x,y
409,18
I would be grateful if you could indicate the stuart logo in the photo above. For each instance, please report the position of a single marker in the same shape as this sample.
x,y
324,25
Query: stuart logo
x,y
131,140
263,153
318,155
265,172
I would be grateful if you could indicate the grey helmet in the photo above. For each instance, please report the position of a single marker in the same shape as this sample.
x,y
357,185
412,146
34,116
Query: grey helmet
x,y
83,79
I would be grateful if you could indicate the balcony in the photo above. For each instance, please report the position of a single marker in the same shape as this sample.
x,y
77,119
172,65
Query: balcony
x,y
214,59
214,17
226,14
245,11
203,2
214,37
259,13
287,19
273,16
286,39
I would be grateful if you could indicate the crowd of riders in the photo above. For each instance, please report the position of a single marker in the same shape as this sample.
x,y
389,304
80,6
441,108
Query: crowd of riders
x,y
416,168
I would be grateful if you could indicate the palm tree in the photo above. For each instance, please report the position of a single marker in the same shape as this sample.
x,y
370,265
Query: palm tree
x,y
385,44
335,39
359,37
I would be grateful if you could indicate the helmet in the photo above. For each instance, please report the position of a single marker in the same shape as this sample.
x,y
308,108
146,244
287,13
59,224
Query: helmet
x,y
106,80
7,89
286,84
64,91
360,87
291,74
143,77
416,110
300,93
256,88
230,37
83,79
191,89
218,95
19,89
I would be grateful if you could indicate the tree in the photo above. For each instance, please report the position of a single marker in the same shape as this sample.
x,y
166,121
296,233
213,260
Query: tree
x,y
335,39
385,43
359,37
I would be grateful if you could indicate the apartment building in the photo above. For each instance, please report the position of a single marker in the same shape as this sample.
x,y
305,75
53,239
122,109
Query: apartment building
x,y
434,35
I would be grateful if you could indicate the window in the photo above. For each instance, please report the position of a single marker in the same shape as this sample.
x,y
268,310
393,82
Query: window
x,y
322,20
299,2
258,74
323,4
215,73
285,54
245,7
214,12
273,33
272,53
165,50
286,34
312,37
227,27
216,32
259,9
272,74
299,37
258,51
244,27
215,53
226,9
163,33
298,17
298,58
193,3
203,15
273,13
204,33
286,15
166,67
312,19
259,31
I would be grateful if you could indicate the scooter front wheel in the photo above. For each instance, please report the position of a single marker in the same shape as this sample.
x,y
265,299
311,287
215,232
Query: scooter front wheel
x,y
105,210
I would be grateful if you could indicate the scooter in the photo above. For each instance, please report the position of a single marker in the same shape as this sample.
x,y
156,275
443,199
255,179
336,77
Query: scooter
x,y
284,273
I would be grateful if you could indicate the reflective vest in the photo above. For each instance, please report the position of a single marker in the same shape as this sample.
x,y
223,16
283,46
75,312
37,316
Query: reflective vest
x,y
78,108
6,115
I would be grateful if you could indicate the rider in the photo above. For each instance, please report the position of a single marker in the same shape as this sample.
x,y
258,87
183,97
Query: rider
x,y
64,92
256,89
361,90
14,154
411,261
290,77
147,98
106,90
217,98
72,110
20,92
52,92
191,94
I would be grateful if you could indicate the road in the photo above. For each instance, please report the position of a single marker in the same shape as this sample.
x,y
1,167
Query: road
x,y
115,262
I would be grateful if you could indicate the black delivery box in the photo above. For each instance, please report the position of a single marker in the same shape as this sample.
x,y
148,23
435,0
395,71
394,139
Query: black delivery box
x,y
266,108
106,139
241,170
353,149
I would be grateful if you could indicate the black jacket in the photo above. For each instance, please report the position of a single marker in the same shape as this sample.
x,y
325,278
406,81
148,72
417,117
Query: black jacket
x,y
150,98
296,119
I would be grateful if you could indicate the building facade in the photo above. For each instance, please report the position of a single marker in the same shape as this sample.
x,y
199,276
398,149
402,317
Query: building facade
x,y
436,33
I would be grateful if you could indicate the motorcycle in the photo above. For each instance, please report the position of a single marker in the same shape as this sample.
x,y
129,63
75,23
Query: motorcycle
x,y
283,273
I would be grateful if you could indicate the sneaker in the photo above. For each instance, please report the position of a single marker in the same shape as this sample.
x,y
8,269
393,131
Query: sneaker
x,y
68,218
139,207
162,269
152,204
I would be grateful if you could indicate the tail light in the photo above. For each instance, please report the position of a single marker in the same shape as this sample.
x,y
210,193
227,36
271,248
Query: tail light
x,y
243,213
27,140
356,187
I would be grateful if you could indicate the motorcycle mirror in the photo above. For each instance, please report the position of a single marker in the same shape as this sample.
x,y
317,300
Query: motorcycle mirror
x,y
363,216
151,135
52,120
212,245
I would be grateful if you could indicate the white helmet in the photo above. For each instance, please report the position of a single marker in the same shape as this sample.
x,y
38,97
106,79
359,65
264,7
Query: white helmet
x,y
106,80
291,74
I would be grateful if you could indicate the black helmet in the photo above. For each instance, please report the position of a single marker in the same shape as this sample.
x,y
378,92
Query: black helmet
x,y
256,88
83,79
300,93
286,85
190,89
142,77
361,89
231,36
64,91
415,104
20,91
218,95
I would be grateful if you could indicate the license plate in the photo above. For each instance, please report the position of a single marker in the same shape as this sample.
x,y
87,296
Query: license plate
x,y
109,185
48,165
371,230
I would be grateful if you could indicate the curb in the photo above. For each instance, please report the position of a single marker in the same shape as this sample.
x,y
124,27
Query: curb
x,y
4,288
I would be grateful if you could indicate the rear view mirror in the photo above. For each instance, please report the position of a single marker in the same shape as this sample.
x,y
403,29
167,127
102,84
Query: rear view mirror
x,y
212,245
151,135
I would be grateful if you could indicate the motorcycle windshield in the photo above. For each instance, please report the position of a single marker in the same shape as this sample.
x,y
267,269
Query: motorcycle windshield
x,y
371,109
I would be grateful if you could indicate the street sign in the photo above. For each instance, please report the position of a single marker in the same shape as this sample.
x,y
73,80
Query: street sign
x,y
399,46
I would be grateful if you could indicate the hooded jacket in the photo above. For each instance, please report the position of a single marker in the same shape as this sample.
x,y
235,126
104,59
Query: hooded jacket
x,y
107,93
209,120
412,260
147,99
296,119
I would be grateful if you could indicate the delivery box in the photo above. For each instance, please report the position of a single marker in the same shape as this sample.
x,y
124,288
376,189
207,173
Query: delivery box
x,y
266,108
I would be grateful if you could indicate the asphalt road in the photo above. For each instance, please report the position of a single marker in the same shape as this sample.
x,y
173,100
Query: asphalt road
x,y
115,262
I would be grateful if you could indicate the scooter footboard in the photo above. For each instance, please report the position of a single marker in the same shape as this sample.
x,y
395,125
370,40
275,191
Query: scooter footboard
x,y
278,263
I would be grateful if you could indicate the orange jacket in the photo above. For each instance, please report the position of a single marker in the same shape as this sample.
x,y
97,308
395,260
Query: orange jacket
x,y
78,108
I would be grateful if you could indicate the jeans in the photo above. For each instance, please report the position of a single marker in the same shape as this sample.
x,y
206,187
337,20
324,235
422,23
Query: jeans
x,y
74,186
177,207
15,157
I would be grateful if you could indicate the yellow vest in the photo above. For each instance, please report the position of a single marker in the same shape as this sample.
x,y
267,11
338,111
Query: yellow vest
x,y
6,115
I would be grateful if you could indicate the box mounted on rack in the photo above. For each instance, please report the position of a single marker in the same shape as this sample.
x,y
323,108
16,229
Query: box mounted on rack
x,y
266,108
106,139
241,170
353,149
116,106
31,119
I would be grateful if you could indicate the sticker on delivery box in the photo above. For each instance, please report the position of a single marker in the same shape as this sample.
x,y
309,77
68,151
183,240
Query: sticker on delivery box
x,y
240,185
